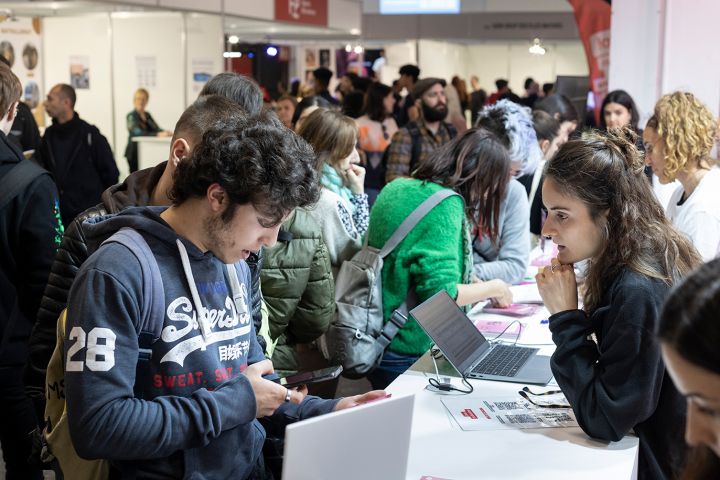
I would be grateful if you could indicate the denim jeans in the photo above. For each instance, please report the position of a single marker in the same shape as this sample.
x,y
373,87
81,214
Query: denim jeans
x,y
391,366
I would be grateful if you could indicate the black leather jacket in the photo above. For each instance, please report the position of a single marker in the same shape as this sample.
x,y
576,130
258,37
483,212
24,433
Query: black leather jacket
x,y
136,190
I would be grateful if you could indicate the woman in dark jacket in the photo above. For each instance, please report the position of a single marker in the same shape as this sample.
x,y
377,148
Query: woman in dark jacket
x,y
608,362
140,124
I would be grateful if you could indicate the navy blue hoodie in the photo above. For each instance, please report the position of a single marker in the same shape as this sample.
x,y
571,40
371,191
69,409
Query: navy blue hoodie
x,y
197,416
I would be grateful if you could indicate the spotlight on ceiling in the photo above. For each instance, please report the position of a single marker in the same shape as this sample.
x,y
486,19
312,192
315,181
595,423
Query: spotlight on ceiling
x,y
536,48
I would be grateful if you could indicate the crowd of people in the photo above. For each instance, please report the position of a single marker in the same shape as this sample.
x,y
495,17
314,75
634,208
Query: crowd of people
x,y
237,239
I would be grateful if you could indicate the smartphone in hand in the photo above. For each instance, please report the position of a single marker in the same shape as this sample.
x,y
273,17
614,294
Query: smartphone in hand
x,y
308,378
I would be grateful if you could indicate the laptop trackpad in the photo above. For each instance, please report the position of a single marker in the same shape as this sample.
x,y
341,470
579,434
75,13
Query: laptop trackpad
x,y
536,371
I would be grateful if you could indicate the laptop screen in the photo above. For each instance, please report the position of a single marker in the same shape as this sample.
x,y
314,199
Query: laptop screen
x,y
451,330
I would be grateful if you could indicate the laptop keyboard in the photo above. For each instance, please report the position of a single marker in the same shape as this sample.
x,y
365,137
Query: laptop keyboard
x,y
504,360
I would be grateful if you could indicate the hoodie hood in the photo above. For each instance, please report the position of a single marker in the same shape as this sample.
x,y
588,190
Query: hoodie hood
x,y
9,153
135,191
145,220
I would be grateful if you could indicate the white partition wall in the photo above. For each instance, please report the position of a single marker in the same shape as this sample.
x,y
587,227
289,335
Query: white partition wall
x,y
87,37
148,52
442,59
160,51
205,44
509,60
658,46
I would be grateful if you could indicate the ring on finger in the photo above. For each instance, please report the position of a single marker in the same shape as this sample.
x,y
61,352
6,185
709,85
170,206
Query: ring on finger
x,y
288,394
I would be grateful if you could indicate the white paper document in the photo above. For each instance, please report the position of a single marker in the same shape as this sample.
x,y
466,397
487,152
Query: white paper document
x,y
503,413
526,293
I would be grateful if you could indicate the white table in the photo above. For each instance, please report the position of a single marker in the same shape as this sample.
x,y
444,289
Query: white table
x,y
438,446
152,150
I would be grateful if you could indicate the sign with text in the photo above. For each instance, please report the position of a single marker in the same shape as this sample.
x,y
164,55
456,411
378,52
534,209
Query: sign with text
x,y
306,12
404,7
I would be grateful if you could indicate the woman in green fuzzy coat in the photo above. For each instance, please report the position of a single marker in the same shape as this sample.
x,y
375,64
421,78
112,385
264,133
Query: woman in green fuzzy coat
x,y
436,254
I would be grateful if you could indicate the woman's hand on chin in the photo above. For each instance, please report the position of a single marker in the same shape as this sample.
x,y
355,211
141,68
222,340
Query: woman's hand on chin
x,y
558,287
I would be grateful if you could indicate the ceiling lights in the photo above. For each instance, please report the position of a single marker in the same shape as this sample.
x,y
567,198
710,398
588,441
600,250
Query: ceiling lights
x,y
357,48
536,48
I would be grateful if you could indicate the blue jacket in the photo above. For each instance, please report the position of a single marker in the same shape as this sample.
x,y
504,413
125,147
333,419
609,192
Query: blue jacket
x,y
197,416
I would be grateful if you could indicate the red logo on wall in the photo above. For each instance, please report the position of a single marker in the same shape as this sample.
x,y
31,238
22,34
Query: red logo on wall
x,y
308,12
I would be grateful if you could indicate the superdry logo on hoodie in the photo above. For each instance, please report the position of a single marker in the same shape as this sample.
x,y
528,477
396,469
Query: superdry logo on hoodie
x,y
225,324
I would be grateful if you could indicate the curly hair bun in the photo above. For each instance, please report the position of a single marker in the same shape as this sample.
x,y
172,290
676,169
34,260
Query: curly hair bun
x,y
624,141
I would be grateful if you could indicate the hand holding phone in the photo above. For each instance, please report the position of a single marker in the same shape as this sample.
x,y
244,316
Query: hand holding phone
x,y
308,378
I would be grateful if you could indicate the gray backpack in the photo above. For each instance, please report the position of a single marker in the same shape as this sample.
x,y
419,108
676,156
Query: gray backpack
x,y
357,338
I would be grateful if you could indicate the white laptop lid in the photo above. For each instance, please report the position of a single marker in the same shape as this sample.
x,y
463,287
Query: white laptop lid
x,y
366,442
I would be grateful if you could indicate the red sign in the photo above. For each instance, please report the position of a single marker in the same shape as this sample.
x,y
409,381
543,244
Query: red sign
x,y
306,12
593,22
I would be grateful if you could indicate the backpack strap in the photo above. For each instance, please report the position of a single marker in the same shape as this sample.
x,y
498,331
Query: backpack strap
x,y
236,290
415,137
391,328
409,223
19,177
153,296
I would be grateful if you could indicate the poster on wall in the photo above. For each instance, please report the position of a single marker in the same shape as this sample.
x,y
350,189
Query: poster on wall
x,y
310,58
202,69
21,45
324,58
146,66
80,72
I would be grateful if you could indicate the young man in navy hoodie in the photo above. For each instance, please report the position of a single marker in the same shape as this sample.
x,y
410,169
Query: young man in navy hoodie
x,y
206,384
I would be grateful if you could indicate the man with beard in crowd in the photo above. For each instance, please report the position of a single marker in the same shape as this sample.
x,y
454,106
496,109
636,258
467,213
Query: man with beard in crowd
x,y
414,142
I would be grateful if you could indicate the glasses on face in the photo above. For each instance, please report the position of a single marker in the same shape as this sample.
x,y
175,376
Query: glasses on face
x,y
526,393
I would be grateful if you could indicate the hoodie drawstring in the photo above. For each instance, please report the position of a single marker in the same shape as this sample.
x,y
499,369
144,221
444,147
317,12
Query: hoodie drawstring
x,y
202,320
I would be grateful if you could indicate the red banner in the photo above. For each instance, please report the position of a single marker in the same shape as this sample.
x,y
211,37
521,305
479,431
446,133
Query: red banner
x,y
593,22
306,12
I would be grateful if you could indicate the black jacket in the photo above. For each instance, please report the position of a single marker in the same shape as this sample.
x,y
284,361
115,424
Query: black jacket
x,y
30,232
136,190
24,133
620,384
536,203
81,161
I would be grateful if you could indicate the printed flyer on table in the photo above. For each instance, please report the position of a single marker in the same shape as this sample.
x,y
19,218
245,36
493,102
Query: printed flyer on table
x,y
477,413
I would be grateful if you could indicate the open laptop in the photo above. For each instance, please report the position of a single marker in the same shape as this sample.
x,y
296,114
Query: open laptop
x,y
352,444
469,351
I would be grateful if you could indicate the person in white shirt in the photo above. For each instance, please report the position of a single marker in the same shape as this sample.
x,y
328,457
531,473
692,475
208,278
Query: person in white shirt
x,y
678,140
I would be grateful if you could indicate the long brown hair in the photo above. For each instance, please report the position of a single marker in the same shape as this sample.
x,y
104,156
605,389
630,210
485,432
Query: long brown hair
x,y
606,173
477,166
